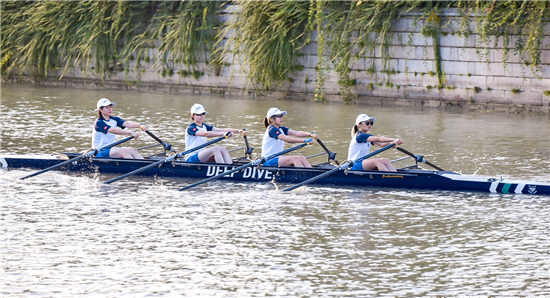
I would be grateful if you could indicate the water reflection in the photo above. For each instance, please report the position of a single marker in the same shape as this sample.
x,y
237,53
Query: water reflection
x,y
70,235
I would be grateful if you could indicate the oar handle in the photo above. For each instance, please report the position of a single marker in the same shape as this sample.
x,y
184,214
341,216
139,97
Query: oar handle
x,y
331,155
92,152
165,145
248,149
419,158
256,162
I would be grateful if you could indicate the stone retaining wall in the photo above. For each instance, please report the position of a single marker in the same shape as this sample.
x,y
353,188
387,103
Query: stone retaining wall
x,y
473,80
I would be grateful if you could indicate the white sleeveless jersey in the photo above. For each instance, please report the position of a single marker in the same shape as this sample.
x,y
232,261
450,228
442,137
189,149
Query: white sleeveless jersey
x,y
359,147
270,143
192,140
100,135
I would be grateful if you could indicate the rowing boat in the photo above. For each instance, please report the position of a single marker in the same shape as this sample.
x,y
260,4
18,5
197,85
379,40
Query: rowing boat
x,y
411,177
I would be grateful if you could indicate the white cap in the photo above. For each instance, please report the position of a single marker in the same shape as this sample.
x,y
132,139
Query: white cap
x,y
275,111
104,102
362,118
197,109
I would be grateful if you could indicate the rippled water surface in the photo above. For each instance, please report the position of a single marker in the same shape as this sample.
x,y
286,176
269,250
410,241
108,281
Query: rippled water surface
x,y
66,235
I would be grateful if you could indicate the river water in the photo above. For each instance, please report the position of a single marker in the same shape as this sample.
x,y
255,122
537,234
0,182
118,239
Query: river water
x,y
66,235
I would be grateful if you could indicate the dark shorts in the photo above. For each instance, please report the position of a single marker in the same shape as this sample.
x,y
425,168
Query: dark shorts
x,y
357,167
193,158
104,153
274,162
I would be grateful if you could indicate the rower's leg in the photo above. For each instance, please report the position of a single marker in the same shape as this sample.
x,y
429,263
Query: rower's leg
x,y
133,152
296,161
381,164
117,152
225,154
387,163
211,155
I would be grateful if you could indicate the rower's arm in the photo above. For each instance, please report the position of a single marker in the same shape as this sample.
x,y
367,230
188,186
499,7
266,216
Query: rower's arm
x,y
383,141
120,131
289,139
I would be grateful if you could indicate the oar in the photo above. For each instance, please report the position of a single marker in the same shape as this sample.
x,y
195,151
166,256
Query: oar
x,y
399,159
165,145
310,156
154,145
251,164
344,166
331,155
232,150
420,158
89,153
248,150
168,159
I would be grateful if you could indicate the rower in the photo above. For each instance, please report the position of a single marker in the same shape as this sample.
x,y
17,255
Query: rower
x,y
275,137
197,133
361,142
106,127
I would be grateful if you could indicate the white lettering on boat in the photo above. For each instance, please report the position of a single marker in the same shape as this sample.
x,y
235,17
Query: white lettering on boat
x,y
248,173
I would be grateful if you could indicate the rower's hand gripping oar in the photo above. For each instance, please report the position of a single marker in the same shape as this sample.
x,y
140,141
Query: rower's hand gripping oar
x,y
168,159
257,162
167,147
331,155
419,158
344,166
89,153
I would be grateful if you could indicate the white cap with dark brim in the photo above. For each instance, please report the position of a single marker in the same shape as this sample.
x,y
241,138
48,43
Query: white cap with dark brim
x,y
275,111
103,103
198,109
363,118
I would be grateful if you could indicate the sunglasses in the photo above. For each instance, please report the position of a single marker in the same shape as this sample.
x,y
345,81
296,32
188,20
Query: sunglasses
x,y
371,123
201,114
278,116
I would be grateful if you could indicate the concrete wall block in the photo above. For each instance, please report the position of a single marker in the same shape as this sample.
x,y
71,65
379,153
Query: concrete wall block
x,y
358,64
486,96
468,55
418,66
403,52
451,40
506,83
522,70
404,79
463,81
417,39
498,56
428,80
455,68
310,49
312,61
424,53
490,42
491,69
383,91
449,53
453,94
404,25
419,93
529,98
534,84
